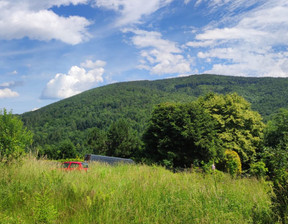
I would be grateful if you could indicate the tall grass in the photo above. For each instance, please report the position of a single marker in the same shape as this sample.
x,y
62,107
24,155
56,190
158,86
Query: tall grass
x,y
36,191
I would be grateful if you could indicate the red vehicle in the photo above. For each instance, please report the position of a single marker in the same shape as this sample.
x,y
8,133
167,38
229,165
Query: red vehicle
x,y
75,166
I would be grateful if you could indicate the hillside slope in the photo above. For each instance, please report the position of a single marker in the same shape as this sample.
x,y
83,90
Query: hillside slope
x,y
99,107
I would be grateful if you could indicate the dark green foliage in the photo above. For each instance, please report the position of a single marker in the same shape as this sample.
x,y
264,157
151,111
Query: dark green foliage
x,y
74,117
183,134
66,149
276,133
280,197
275,155
97,141
122,141
14,138
180,134
119,140
48,150
258,169
276,160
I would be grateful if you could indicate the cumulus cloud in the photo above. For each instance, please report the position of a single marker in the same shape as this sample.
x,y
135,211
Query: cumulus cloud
x,y
33,19
132,11
7,93
77,80
159,56
5,89
257,42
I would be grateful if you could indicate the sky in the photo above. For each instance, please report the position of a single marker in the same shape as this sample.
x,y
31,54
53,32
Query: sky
x,y
54,49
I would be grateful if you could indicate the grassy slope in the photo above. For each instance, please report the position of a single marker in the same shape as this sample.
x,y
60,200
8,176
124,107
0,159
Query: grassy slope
x,y
36,191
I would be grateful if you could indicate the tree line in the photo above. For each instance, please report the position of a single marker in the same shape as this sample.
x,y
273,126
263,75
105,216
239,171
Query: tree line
x,y
178,135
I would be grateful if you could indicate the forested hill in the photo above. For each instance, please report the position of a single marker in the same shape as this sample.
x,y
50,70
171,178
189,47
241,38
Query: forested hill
x,y
134,101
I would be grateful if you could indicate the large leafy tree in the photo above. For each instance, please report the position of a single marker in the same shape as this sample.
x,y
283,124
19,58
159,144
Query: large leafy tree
x,y
66,149
122,141
276,133
14,138
96,141
238,127
276,144
276,158
181,134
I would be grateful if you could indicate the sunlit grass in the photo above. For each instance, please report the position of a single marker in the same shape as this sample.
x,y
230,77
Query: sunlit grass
x,y
38,191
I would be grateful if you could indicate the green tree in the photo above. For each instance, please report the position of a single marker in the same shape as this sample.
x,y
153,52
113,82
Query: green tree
x,y
276,132
276,144
239,128
275,157
181,134
97,141
66,150
122,141
14,138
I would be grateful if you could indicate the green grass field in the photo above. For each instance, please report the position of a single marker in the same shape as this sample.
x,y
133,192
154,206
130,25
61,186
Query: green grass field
x,y
36,191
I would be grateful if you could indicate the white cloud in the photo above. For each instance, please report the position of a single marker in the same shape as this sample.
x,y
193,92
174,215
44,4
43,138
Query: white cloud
x,y
159,56
200,43
90,64
255,45
7,93
33,19
10,84
7,84
77,80
230,5
131,11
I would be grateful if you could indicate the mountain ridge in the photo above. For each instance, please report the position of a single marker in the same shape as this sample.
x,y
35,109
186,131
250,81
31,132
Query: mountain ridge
x,y
100,107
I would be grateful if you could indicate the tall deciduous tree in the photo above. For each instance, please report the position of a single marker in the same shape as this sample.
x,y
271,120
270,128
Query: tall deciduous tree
x,y
276,144
122,141
14,138
97,141
239,128
181,134
66,149
276,133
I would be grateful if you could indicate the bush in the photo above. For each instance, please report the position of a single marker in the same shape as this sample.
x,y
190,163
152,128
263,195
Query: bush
x,y
14,138
231,163
258,169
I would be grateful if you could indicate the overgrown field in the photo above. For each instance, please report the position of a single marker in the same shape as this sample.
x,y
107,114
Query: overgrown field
x,y
36,191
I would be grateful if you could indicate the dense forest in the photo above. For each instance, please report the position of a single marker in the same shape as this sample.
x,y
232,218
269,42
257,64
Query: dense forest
x,y
70,122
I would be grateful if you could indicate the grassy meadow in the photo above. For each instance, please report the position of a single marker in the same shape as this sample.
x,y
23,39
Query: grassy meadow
x,y
36,191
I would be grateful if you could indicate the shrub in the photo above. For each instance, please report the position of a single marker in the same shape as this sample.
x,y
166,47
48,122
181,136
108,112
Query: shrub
x,y
14,138
231,163
258,169
280,197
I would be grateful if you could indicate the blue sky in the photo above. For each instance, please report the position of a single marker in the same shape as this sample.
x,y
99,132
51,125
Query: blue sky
x,y
54,49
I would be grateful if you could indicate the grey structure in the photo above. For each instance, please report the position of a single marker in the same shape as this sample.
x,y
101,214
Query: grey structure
x,y
107,159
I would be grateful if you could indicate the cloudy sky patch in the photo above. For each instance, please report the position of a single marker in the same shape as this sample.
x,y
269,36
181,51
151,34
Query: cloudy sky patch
x,y
58,48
